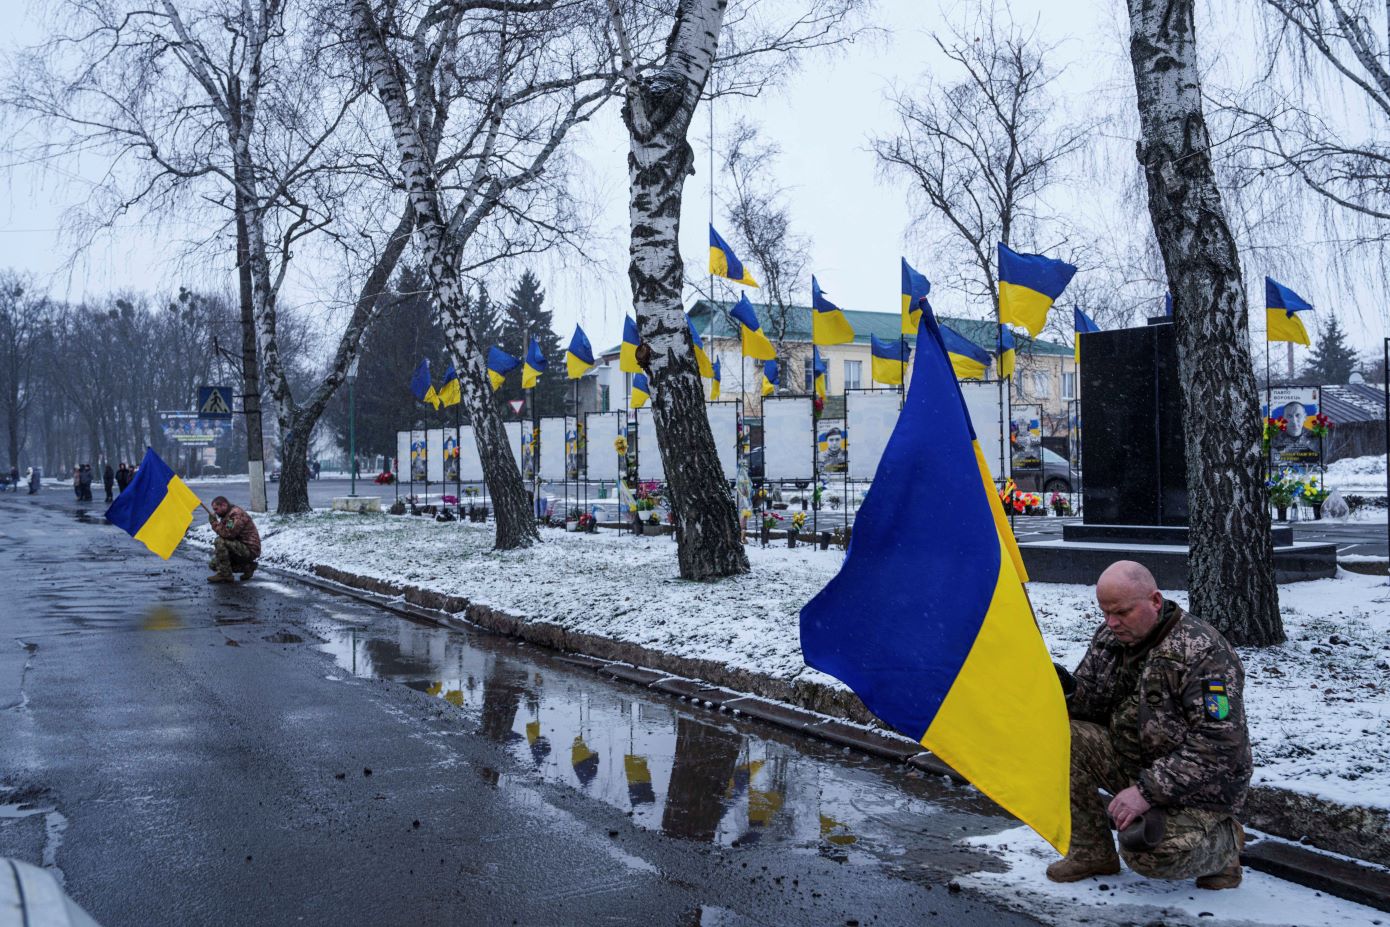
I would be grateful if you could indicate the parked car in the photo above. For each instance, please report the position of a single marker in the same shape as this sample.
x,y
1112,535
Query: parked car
x,y
1056,476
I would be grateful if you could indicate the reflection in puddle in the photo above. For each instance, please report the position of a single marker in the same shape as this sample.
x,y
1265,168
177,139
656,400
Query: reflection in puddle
x,y
161,618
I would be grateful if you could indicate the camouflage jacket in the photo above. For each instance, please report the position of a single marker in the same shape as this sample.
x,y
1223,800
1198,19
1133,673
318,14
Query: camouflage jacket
x,y
1187,694
238,526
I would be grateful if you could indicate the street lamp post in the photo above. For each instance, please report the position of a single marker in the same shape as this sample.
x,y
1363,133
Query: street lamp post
x,y
352,425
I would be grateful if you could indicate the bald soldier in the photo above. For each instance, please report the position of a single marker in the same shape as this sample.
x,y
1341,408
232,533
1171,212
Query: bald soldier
x,y
1158,723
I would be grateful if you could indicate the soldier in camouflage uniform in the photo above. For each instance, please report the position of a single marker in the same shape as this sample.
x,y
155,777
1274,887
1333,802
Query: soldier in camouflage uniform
x,y
238,544
1158,721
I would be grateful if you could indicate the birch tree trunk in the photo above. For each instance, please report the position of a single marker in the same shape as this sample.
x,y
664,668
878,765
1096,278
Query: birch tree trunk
x,y
1230,566
657,113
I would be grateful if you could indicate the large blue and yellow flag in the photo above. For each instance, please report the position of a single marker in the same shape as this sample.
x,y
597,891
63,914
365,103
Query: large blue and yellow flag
x,y
968,359
698,344
451,393
1281,324
579,359
499,364
770,377
724,263
535,364
755,343
1006,352
641,391
422,386
828,322
1082,324
818,371
156,508
627,354
928,621
715,383
889,359
915,290
1028,285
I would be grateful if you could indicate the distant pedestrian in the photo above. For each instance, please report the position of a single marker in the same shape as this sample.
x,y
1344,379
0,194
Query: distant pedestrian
x,y
108,477
123,474
77,482
84,482
14,479
238,544
35,475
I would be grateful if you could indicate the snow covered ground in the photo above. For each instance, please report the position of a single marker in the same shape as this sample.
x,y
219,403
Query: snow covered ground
x,y
1319,705
1361,475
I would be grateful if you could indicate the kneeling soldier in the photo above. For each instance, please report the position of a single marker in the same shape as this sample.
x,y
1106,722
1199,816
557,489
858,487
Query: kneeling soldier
x,y
238,544
1158,722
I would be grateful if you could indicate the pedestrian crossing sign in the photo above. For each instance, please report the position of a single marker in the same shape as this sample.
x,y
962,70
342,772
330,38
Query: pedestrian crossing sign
x,y
215,402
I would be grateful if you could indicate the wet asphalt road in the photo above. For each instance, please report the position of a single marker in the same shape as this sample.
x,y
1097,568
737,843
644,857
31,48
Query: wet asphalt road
x,y
271,754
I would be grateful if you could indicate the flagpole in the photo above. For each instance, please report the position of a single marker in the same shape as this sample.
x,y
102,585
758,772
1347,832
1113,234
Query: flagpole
x,y
458,456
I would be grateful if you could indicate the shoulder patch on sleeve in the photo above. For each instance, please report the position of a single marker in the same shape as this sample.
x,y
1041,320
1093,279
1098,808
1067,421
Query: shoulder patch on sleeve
x,y
1217,705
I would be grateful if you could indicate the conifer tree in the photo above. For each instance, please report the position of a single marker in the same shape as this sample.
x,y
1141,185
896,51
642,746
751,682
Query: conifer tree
x,y
523,316
1332,361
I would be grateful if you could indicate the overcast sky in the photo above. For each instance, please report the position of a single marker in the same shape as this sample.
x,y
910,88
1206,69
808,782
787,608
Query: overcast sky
x,y
823,119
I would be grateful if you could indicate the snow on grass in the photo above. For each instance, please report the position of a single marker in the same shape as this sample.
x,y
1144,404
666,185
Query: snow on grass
x,y
1357,474
1318,706
1128,898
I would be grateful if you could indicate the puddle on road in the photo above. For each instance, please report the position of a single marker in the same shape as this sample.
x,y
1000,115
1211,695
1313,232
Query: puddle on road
x,y
688,773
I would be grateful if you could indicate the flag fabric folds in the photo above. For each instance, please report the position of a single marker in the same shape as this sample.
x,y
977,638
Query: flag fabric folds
x,y
927,620
422,386
641,390
715,383
724,263
499,364
1082,324
968,359
627,354
696,342
1028,285
828,323
889,359
755,343
1168,304
819,368
770,378
1006,352
915,290
451,393
579,359
156,508
535,364
1281,304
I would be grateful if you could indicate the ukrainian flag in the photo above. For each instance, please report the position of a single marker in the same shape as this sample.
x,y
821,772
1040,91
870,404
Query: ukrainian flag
x,y
639,780
928,621
156,508
828,323
889,359
755,343
818,371
421,385
714,383
579,359
451,393
535,365
1280,305
1168,302
968,359
701,358
1006,352
627,354
641,390
915,290
1082,324
724,263
1028,285
770,382
499,364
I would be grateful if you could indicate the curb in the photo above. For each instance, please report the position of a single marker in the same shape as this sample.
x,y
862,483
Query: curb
x,y
839,718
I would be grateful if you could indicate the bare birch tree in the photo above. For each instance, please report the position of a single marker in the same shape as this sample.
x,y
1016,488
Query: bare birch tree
x,y
1230,567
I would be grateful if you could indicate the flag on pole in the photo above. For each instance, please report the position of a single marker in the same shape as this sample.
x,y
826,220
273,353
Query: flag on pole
x,y
1006,352
156,508
770,381
828,323
1281,324
968,359
535,365
499,364
627,354
451,393
755,343
1168,304
579,359
724,263
1028,285
915,290
1082,324
927,621
888,359
715,383
421,385
641,390
818,371
701,358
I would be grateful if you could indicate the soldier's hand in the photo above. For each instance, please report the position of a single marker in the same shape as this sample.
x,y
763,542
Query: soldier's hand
x,y
1126,807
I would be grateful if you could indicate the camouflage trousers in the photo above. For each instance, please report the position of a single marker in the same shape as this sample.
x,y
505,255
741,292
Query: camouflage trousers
x,y
230,556
1195,842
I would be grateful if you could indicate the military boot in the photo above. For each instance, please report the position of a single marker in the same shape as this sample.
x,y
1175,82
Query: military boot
x,y
221,578
1230,876
1076,868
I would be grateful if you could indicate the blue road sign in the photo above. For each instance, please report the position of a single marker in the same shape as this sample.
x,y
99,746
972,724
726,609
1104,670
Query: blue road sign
x,y
214,402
